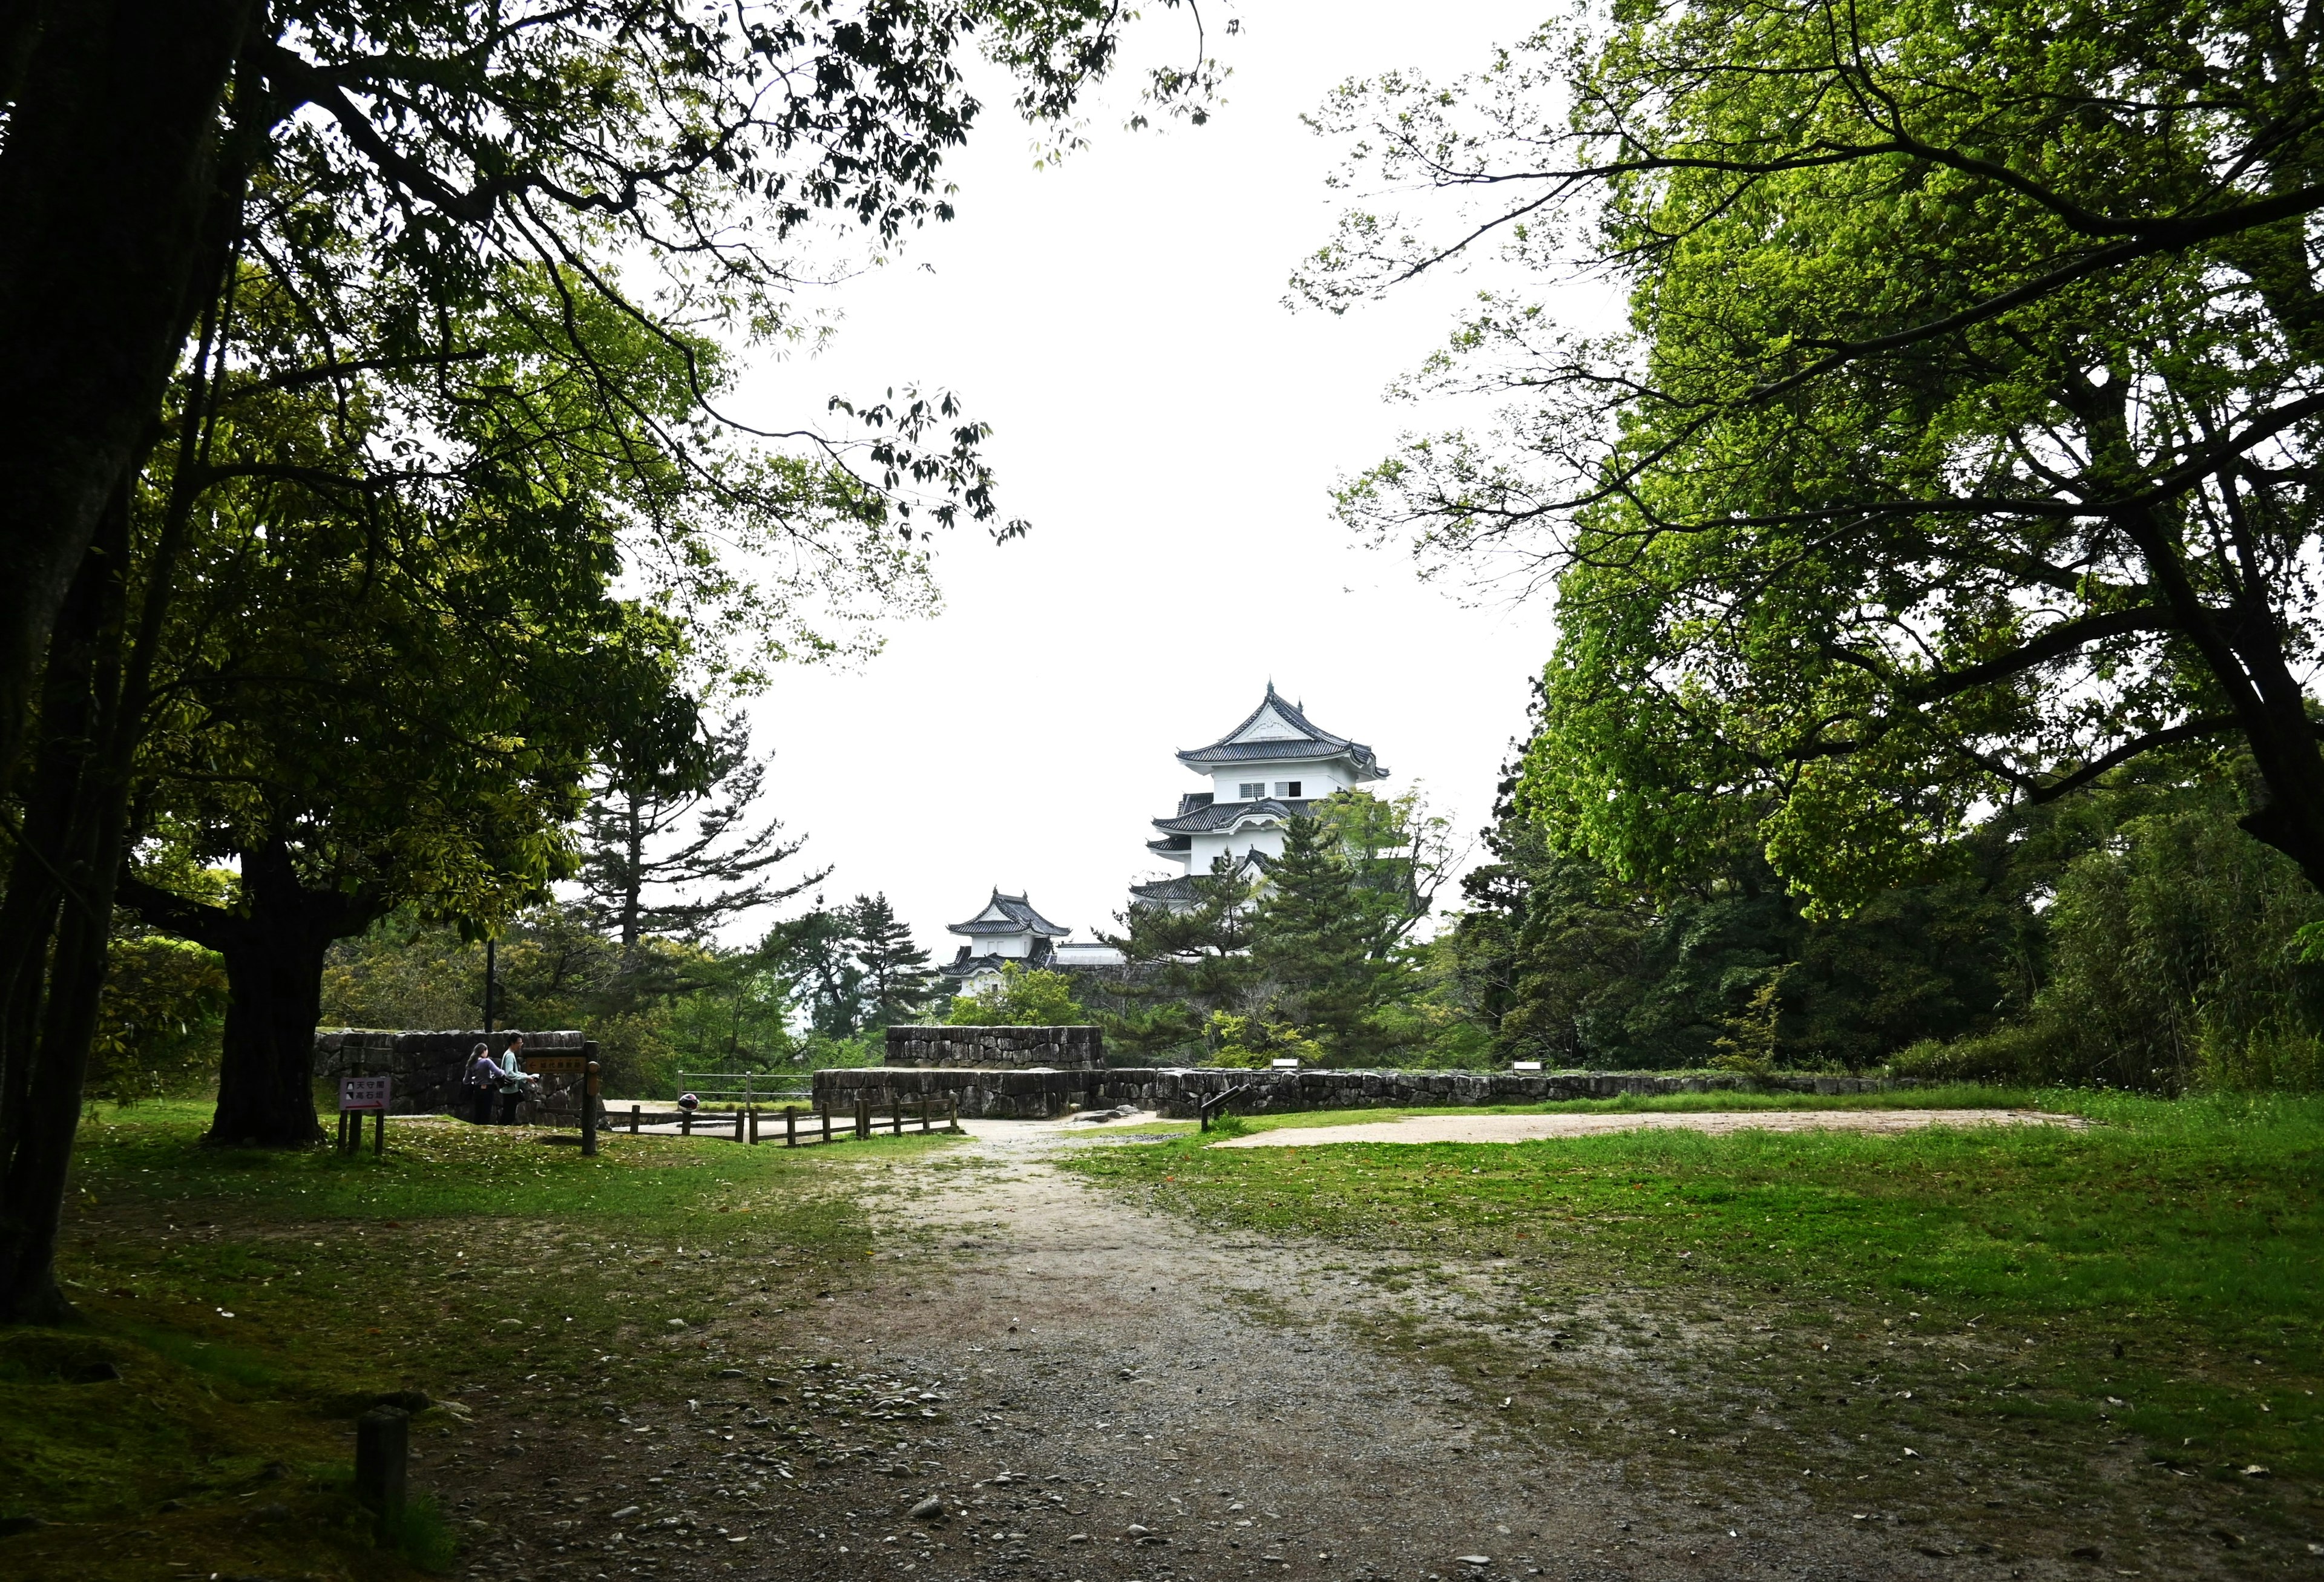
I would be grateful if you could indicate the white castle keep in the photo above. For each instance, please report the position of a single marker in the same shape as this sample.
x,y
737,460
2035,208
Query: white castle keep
x,y
1264,772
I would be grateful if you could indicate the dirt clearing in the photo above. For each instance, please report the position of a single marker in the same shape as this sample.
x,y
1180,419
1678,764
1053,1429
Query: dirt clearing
x,y
1531,1129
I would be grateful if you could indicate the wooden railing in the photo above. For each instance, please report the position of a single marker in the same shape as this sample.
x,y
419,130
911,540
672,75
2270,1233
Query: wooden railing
x,y
797,1127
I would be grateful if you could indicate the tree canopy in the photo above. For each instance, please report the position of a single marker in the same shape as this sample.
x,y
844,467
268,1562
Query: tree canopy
x,y
1957,442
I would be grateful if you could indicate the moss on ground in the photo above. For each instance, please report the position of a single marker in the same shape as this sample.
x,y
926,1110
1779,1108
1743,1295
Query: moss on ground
x,y
242,1307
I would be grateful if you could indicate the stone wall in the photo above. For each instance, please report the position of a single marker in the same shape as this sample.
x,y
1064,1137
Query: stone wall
x,y
998,1048
427,1067
996,1095
1177,1091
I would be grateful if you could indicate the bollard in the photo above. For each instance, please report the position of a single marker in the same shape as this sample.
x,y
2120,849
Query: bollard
x,y
738,1125
378,1134
863,1119
637,1112
754,1126
924,1114
826,1122
383,1449
896,1114
685,1123
590,1102
952,1113
790,1126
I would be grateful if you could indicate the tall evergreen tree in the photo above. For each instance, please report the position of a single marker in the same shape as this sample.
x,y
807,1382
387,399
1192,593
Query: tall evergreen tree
x,y
897,983
1186,964
637,882
1314,939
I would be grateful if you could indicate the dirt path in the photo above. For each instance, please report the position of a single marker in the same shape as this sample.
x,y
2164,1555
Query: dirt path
x,y
1528,1128
1132,1372
1100,1394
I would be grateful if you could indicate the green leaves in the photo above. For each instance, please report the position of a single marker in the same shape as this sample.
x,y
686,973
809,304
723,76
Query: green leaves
x,y
1958,445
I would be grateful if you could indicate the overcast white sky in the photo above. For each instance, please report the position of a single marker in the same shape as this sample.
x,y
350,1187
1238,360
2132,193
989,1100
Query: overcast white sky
x,y
1173,431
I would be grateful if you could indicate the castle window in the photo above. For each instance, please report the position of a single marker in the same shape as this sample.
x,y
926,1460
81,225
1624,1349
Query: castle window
x,y
1251,790
1287,788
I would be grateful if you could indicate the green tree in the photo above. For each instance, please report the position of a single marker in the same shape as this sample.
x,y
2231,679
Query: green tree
x,y
817,948
1186,964
1024,997
897,983
668,159
1957,448
644,872
475,251
1318,944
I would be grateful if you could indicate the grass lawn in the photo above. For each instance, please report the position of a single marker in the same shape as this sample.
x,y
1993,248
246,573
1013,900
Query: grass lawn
x,y
2150,1286
253,1302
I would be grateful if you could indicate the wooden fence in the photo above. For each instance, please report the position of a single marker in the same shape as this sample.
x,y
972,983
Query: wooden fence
x,y
795,1126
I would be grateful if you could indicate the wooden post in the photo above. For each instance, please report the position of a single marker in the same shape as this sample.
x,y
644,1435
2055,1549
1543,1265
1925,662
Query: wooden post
x,y
896,1113
738,1125
755,1124
589,1110
924,1114
863,1119
685,1123
790,1126
952,1113
635,1115
826,1113
378,1134
382,1453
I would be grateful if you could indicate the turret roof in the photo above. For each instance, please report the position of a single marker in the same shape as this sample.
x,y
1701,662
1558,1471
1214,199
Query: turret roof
x,y
1277,731
1008,914
1220,815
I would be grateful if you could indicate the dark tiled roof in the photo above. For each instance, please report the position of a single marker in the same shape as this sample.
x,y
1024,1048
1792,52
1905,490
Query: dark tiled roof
x,y
1312,743
1169,843
1192,800
964,965
1163,891
1016,916
1218,815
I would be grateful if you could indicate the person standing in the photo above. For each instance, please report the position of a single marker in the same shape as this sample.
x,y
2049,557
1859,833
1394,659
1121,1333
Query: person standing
x,y
511,1078
479,1081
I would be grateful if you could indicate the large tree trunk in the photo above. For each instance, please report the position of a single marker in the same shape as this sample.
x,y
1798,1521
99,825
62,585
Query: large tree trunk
x,y
107,181
267,1075
55,921
273,945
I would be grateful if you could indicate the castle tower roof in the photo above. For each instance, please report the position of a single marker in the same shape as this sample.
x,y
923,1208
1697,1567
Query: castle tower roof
x,y
1279,733
1008,914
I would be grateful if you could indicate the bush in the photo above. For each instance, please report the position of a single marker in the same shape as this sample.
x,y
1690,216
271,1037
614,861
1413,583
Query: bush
x,y
160,1021
1022,998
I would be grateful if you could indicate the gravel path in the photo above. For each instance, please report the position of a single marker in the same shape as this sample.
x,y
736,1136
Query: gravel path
x,y
1527,1128
1098,1393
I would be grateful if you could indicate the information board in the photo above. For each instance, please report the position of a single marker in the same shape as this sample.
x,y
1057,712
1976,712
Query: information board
x,y
553,1066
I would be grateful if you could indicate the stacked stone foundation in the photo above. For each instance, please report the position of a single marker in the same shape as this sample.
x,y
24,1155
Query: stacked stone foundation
x,y
998,1048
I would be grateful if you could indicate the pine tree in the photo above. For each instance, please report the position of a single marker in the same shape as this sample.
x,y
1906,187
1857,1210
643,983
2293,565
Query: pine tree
x,y
635,883
897,983
1186,964
1313,940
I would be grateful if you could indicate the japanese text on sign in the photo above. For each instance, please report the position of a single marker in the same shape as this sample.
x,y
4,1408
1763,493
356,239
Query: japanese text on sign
x,y
364,1093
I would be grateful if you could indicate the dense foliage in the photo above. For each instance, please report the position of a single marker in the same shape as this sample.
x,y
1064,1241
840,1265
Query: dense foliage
x,y
1956,447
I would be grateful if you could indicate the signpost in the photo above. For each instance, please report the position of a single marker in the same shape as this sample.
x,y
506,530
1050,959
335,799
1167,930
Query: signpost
x,y
357,1096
